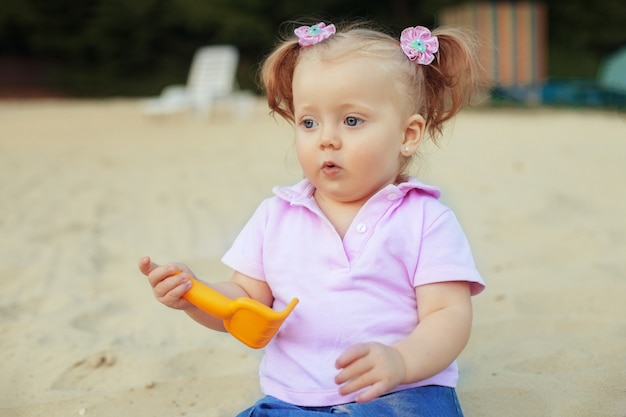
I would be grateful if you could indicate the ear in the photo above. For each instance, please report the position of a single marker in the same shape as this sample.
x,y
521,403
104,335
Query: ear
x,y
413,133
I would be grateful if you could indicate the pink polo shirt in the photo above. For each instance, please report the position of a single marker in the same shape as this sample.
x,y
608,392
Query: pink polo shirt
x,y
358,289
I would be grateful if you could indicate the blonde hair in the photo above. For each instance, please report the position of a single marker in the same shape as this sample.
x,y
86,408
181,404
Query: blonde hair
x,y
437,91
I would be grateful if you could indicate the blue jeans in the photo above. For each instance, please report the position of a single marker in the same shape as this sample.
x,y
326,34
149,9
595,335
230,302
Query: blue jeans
x,y
429,401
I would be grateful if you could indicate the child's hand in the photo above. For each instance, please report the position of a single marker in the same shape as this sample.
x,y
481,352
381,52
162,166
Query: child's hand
x,y
169,282
372,365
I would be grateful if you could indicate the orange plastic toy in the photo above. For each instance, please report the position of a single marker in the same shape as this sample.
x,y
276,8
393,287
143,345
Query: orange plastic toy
x,y
251,322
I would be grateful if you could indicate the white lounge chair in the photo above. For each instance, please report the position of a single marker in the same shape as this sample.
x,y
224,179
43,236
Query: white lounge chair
x,y
211,77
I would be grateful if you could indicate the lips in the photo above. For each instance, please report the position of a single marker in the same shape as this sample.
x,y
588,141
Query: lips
x,y
330,168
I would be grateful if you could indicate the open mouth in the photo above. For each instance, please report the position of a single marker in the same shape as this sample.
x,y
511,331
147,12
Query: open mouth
x,y
330,168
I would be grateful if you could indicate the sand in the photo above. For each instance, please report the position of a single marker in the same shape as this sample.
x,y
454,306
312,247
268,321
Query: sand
x,y
88,187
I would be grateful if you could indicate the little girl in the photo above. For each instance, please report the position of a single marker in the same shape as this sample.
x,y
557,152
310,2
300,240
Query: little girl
x,y
382,269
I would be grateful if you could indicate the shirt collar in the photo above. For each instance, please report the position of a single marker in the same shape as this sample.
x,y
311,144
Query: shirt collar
x,y
302,192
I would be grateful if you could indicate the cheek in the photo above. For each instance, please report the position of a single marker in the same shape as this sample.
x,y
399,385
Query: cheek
x,y
303,152
383,155
375,164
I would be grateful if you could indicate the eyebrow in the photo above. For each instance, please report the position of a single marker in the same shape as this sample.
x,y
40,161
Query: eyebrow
x,y
343,106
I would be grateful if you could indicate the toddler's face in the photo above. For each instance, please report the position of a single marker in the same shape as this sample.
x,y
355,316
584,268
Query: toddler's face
x,y
350,127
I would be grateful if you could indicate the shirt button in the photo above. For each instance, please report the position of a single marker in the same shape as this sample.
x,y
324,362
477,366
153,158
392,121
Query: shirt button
x,y
361,228
391,196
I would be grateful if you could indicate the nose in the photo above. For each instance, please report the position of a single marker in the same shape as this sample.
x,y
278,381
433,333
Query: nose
x,y
329,138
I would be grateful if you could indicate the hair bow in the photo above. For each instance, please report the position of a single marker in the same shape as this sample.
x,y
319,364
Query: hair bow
x,y
310,35
419,45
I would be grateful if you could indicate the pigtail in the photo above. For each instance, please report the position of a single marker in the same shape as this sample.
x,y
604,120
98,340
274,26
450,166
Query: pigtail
x,y
277,75
451,80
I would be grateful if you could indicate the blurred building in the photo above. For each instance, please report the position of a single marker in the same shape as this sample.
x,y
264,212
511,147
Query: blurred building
x,y
513,38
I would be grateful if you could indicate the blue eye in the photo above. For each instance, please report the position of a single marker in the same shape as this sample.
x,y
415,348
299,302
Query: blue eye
x,y
309,124
353,121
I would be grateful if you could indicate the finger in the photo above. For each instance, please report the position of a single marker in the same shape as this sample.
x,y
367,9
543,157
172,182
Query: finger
x,y
175,293
171,287
146,265
353,372
357,383
160,273
351,354
184,269
374,391
373,383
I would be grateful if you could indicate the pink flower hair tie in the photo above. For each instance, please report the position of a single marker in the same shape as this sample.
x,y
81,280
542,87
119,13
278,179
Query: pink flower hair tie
x,y
419,45
310,35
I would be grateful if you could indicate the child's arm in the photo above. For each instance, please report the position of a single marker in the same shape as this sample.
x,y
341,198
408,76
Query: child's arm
x,y
445,319
171,281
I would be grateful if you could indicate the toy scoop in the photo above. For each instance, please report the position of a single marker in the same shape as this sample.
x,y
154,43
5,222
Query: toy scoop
x,y
250,321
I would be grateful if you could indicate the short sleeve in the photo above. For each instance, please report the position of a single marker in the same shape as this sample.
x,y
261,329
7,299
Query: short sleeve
x,y
246,253
445,255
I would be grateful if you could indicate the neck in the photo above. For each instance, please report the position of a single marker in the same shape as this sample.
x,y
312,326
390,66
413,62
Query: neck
x,y
339,214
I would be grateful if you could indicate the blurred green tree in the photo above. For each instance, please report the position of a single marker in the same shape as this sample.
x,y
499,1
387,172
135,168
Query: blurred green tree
x,y
581,34
132,48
